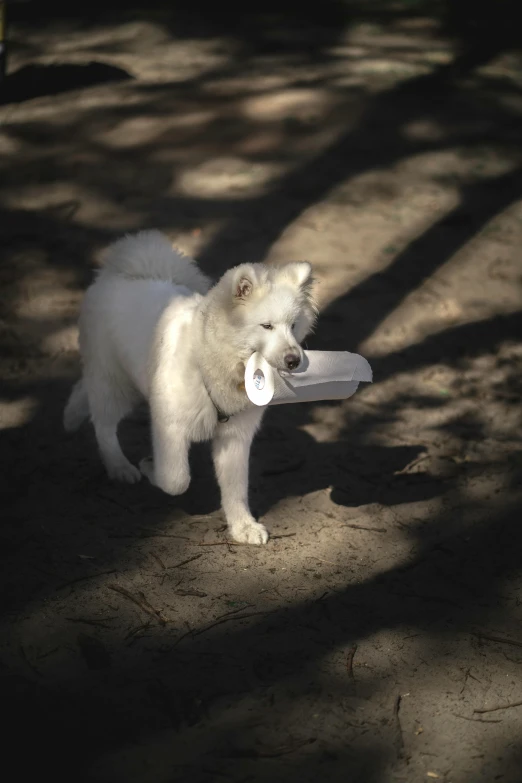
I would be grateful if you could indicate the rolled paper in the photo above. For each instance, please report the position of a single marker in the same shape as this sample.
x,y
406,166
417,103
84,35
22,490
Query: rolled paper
x,y
323,375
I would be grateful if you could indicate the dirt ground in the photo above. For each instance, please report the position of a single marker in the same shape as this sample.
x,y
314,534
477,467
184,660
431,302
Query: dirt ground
x,y
377,637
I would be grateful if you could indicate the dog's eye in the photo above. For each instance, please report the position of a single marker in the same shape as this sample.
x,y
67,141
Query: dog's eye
x,y
293,327
267,326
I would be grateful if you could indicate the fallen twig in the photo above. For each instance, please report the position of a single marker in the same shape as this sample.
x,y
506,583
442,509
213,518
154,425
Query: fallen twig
x,y
501,639
184,562
137,630
157,534
86,621
219,621
323,560
232,611
220,543
230,543
140,601
202,517
398,728
128,509
225,620
363,527
158,560
476,720
84,578
28,662
283,751
196,593
148,534
411,464
469,674
349,660
255,753
507,706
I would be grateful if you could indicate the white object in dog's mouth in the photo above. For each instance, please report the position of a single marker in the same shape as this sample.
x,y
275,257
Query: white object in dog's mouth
x,y
322,375
259,380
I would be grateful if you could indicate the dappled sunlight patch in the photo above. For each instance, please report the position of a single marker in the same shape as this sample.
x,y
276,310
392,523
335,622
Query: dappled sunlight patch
x,y
308,565
361,228
326,424
66,39
16,413
451,297
226,177
127,45
142,130
46,293
456,165
394,67
88,207
96,209
259,82
425,130
45,302
31,196
9,144
398,332
192,241
461,415
427,401
306,104
353,82
65,339
264,141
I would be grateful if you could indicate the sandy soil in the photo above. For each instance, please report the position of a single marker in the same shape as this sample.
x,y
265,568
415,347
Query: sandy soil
x,y
377,637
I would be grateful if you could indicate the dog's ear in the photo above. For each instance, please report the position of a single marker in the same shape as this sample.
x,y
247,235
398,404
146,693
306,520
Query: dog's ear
x,y
299,273
244,281
244,287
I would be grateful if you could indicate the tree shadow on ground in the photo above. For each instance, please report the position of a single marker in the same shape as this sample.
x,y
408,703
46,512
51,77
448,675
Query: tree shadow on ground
x,y
187,701
35,81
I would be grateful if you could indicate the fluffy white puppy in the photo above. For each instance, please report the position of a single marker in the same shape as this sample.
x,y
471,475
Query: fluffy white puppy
x,y
152,327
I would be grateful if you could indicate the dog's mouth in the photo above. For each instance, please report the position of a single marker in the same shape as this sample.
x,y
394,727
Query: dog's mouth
x,y
278,367
272,365
282,368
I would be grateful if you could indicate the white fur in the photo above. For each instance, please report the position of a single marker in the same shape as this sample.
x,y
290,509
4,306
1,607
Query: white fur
x,y
152,328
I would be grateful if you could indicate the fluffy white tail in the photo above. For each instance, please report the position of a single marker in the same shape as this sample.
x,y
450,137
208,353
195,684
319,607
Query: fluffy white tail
x,y
149,255
77,408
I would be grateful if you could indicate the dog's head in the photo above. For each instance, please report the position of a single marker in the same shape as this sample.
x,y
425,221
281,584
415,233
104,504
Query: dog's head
x,y
272,310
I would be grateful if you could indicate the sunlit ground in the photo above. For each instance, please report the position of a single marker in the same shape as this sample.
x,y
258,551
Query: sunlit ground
x,y
397,512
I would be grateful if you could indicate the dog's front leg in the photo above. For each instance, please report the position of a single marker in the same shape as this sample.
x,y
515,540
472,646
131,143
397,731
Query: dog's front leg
x,y
231,451
169,468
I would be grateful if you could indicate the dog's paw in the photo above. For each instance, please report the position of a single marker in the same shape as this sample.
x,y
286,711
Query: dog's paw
x,y
124,471
250,532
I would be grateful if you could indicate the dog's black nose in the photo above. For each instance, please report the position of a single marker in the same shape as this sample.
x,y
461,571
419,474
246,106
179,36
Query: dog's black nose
x,y
292,361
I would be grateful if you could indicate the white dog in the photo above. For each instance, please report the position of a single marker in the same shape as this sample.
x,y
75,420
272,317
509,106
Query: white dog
x,y
152,327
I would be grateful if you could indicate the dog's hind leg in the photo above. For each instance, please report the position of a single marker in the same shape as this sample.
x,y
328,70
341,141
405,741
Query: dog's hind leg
x,y
109,402
231,451
77,408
